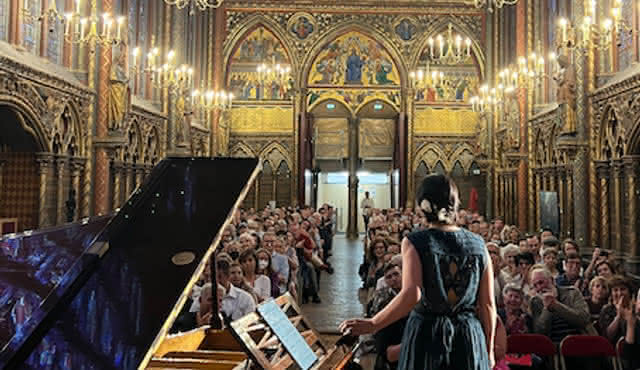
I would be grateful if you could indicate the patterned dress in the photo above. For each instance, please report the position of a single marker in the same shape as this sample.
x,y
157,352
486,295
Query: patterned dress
x,y
443,330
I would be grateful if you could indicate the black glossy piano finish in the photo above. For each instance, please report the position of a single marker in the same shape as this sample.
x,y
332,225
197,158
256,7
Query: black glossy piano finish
x,y
113,304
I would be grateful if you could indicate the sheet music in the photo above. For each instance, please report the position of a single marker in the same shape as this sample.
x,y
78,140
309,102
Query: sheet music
x,y
292,340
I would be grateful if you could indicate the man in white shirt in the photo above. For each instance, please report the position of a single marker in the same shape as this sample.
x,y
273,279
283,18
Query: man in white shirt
x,y
236,303
367,206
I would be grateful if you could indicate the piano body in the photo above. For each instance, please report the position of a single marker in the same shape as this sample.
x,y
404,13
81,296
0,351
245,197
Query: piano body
x,y
103,293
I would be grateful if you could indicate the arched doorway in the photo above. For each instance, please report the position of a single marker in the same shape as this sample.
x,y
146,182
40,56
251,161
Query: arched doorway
x,y
19,176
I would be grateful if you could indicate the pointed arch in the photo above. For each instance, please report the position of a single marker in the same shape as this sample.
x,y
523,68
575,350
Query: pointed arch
x,y
336,98
28,119
242,150
281,150
80,135
246,29
430,154
460,28
352,26
463,154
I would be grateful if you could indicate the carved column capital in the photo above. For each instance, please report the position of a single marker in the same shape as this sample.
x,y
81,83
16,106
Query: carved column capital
x,y
77,165
618,168
602,168
45,161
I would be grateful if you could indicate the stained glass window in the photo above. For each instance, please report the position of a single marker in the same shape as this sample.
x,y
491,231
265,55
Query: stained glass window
x,y
30,26
4,19
55,37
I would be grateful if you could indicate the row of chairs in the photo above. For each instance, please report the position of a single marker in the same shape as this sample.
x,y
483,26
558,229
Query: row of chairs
x,y
571,346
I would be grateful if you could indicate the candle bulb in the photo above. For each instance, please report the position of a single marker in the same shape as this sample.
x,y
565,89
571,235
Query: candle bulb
x,y
83,23
563,29
136,51
78,6
67,23
431,46
105,17
120,23
468,42
441,44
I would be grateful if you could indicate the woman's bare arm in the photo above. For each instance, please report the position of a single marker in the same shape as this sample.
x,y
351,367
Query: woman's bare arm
x,y
487,306
400,306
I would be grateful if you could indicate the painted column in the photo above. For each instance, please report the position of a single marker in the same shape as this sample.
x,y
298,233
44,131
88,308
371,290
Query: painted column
x,y
602,168
632,249
61,164
491,67
77,165
569,208
101,183
561,200
218,72
539,180
45,162
522,43
617,175
352,227
116,166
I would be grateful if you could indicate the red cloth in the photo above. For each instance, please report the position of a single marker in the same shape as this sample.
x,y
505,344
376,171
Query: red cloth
x,y
473,200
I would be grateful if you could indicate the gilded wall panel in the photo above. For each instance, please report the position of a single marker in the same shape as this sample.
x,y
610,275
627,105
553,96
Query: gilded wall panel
x,y
376,138
261,119
331,138
354,98
445,121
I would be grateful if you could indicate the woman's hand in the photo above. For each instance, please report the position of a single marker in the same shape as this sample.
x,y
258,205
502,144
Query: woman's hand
x,y
357,327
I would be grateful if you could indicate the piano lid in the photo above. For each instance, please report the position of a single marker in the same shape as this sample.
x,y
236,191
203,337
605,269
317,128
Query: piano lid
x,y
138,273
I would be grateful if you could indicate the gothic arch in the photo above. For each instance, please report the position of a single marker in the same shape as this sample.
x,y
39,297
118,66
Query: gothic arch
x,y
464,155
439,26
611,135
282,151
633,146
336,99
352,26
430,161
241,150
250,25
28,119
372,99
132,152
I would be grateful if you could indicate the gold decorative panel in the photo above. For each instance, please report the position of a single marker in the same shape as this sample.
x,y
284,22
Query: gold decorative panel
x,y
353,98
376,138
331,138
356,60
445,121
261,119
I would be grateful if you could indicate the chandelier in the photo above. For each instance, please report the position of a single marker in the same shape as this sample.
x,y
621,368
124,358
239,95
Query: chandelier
x,y
168,75
590,35
201,5
449,48
424,78
211,100
490,4
274,73
103,30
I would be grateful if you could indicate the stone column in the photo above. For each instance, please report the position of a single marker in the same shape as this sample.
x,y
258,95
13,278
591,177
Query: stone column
x,y
128,170
538,187
569,209
45,162
602,168
101,182
77,165
61,164
617,175
2,162
116,166
139,171
523,46
561,201
632,249
352,228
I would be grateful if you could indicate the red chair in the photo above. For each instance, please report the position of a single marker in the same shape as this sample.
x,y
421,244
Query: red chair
x,y
537,344
587,346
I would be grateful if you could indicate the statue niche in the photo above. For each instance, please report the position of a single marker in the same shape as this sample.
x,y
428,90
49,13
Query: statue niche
x,y
566,93
119,99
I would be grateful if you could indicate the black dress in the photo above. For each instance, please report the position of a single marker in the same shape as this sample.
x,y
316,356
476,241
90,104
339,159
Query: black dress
x,y
443,330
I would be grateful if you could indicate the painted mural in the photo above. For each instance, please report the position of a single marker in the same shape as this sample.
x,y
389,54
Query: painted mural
x,y
301,25
354,59
353,98
459,84
259,47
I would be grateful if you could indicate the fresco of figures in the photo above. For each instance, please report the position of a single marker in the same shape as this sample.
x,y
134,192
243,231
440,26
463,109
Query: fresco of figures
x,y
260,46
353,59
460,82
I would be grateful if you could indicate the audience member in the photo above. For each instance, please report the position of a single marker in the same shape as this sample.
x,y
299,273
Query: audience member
x,y
236,302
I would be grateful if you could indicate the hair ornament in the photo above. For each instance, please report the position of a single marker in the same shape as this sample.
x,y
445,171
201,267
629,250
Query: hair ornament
x,y
426,206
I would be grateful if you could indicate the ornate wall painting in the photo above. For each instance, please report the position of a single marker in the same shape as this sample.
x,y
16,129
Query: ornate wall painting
x,y
353,98
353,59
405,29
460,83
259,47
377,137
261,120
301,25
446,121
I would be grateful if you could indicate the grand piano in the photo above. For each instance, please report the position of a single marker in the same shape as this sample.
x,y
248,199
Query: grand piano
x,y
102,293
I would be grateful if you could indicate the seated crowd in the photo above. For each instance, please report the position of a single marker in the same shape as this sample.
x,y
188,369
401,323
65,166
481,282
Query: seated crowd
x,y
262,255
541,284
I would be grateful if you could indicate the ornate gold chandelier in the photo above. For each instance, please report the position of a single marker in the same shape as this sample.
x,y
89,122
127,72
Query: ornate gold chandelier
x,y
490,4
201,5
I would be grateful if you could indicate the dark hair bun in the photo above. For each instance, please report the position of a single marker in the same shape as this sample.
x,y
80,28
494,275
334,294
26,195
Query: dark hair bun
x,y
438,198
